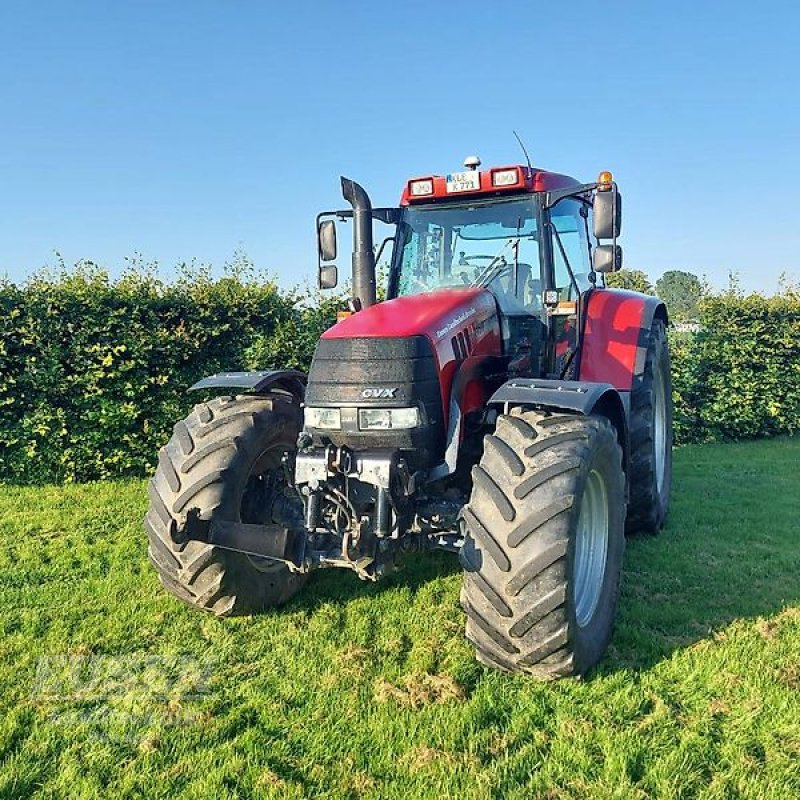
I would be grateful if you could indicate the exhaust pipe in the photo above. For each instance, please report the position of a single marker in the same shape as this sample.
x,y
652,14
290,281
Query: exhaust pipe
x,y
364,293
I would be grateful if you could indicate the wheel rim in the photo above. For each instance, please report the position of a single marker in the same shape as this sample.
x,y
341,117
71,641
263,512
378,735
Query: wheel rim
x,y
268,462
660,432
591,548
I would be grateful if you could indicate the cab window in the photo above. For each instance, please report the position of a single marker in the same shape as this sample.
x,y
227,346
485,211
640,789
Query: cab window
x,y
493,244
571,248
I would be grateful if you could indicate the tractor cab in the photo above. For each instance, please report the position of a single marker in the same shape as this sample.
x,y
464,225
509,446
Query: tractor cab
x,y
525,235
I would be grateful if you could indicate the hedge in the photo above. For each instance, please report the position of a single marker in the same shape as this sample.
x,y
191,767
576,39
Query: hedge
x,y
739,376
94,371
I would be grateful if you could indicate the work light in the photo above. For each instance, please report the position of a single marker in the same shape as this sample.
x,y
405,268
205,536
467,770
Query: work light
x,y
420,188
505,177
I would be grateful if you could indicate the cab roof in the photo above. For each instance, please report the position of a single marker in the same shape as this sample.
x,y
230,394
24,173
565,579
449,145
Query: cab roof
x,y
493,182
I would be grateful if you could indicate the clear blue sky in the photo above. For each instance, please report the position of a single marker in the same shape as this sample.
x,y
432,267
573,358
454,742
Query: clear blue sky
x,y
190,129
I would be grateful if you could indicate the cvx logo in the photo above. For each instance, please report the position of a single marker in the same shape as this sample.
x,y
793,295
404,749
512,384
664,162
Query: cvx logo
x,y
379,394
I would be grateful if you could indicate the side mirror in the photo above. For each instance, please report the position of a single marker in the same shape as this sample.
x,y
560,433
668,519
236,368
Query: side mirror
x,y
607,258
326,240
328,276
607,213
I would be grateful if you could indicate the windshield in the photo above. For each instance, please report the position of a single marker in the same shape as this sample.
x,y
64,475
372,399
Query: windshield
x,y
492,244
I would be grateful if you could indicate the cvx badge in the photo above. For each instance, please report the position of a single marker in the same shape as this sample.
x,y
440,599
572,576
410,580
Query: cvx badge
x,y
387,393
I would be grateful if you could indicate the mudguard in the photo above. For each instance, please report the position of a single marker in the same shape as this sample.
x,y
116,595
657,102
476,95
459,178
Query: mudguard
x,y
581,397
616,331
290,380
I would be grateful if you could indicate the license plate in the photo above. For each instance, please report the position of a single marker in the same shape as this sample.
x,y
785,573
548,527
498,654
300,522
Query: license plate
x,y
469,181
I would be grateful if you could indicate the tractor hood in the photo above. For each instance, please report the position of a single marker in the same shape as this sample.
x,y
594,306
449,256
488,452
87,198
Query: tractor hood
x,y
438,316
402,353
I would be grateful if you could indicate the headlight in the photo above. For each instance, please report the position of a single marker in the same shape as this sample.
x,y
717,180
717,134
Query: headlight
x,y
372,419
326,419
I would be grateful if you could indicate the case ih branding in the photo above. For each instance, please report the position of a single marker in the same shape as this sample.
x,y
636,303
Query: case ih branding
x,y
455,322
379,394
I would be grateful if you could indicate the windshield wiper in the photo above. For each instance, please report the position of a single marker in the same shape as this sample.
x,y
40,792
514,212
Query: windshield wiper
x,y
496,265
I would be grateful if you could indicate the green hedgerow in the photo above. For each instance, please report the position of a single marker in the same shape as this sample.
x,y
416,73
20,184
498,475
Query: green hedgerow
x,y
94,371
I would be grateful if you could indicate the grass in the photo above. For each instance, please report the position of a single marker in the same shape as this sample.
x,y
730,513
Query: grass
x,y
361,690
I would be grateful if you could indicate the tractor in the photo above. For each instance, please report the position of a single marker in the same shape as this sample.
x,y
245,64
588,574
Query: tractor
x,y
500,403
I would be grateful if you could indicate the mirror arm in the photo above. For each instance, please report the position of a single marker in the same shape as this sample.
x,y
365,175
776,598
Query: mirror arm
x,y
390,215
553,197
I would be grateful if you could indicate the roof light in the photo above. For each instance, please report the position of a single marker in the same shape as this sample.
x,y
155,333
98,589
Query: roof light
x,y
505,177
604,181
420,188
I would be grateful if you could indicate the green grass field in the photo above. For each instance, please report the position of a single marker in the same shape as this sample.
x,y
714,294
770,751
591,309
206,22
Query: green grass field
x,y
110,688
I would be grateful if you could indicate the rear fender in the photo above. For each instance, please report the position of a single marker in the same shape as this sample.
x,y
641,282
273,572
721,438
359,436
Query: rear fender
x,y
288,380
579,397
616,332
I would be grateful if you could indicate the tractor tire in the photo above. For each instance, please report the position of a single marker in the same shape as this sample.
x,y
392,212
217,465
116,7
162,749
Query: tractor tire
x,y
651,438
215,457
544,538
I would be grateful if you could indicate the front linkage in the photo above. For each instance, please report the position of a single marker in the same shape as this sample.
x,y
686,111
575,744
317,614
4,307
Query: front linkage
x,y
354,510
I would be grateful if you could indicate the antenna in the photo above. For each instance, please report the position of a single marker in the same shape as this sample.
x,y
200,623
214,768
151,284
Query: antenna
x,y
527,157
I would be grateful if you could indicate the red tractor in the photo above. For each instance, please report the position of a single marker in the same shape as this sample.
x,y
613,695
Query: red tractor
x,y
499,404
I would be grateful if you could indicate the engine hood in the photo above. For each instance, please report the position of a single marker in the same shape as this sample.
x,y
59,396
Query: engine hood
x,y
436,315
412,347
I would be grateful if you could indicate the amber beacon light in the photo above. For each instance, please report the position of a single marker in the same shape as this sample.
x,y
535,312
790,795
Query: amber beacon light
x,y
604,181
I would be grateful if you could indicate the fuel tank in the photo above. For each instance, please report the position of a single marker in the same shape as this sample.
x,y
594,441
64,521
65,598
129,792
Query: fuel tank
x,y
398,354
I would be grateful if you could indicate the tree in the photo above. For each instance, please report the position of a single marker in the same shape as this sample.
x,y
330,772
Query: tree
x,y
634,279
681,291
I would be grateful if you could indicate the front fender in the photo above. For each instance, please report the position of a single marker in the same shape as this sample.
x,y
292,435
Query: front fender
x,y
579,397
289,380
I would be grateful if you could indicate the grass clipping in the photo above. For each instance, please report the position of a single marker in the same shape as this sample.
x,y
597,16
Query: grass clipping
x,y
418,690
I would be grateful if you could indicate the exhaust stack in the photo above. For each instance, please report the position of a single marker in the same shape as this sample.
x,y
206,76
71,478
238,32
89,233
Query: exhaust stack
x,y
363,253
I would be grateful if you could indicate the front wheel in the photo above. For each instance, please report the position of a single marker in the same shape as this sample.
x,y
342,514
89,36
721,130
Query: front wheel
x,y
544,540
223,462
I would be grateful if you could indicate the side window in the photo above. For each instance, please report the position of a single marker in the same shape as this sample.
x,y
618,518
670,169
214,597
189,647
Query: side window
x,y
421,265
571,249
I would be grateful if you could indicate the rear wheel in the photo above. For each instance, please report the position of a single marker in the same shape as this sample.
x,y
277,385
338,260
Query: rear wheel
x,y
651,438
544,542
223,462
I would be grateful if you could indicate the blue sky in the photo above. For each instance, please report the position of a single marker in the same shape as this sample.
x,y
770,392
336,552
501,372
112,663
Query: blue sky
x,y
189,130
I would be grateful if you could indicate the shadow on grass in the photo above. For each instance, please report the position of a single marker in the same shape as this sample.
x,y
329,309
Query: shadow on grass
x,y
342,585
729,551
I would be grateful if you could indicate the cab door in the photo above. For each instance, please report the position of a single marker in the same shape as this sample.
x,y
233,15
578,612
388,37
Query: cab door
x,y
570,245
518,291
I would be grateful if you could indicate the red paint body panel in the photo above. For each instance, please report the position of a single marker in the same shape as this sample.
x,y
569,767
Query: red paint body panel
x,y
535,180
613,322
439,316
